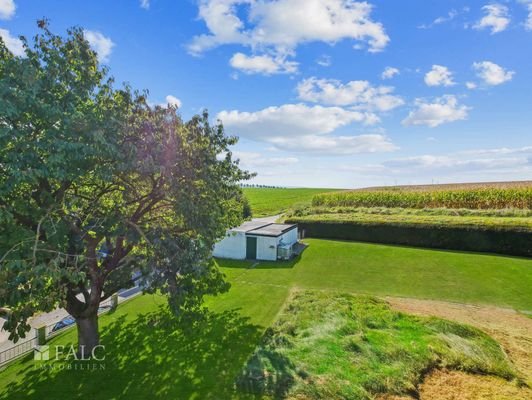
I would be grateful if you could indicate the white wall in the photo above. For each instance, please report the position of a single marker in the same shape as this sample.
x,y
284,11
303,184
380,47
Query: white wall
x,y
232,246
289,237
266,248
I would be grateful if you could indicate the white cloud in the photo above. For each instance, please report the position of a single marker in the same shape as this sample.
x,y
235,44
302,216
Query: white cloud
x,y
145,4
359,94
336,145
439,76
450,16
491,73
284,24
528,5
455,163
249,160
264,64
499,151
101,44
173,101
441,110
290,120
471,85
368,169
496,18
471,165
324,61
389,73
7,9
301,128
223,24
13,44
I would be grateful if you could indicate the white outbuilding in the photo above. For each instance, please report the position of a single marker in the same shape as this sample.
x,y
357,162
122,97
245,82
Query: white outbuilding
x,y
256,240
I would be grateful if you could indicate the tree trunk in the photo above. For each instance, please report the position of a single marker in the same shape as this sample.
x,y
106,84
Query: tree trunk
x,y
88,336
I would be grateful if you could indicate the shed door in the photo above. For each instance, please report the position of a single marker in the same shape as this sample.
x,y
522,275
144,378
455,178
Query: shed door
x,y
251,248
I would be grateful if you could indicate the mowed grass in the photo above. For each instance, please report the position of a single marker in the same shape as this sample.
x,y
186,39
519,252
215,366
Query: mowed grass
x,y
273,201
387,270
326,345
149,355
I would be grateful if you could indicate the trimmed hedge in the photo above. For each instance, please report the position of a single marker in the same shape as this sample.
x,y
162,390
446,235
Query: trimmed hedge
x,y
516,243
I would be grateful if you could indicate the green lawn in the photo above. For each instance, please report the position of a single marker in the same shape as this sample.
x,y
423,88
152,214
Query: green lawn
x,y
149,356
399,271
266,201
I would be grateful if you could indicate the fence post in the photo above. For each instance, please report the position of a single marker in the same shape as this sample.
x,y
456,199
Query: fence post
x,y
40,334
114,301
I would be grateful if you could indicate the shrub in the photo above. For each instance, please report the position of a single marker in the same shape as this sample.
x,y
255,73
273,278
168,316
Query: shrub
x,y
518,243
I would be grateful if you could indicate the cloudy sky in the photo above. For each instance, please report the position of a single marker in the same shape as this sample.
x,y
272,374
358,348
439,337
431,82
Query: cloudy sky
x,y
327,93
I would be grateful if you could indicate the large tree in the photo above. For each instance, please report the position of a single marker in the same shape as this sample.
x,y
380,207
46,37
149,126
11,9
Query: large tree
x,y
96,185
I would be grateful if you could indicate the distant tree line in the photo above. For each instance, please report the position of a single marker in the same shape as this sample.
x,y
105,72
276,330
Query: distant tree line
x,y
253,185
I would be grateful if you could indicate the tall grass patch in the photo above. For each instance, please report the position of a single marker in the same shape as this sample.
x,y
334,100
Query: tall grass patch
x,y
336,346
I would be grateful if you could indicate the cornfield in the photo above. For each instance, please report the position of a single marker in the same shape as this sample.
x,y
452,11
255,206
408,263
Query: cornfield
x,y
482,198
453,186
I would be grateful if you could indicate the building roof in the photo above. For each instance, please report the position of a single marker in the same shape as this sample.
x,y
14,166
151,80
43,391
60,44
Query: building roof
x,y
261,228
250,225
272,230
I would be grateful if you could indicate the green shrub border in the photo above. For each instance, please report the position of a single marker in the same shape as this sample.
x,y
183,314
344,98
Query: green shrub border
x,y
508,242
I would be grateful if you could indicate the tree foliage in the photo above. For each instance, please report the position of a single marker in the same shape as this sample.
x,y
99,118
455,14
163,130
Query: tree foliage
x,y
96,185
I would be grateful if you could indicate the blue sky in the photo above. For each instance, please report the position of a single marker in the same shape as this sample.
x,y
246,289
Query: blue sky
x,y
327,93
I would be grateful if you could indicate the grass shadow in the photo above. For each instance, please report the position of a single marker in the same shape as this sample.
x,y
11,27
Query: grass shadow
x,y
257,264
288,264
152,356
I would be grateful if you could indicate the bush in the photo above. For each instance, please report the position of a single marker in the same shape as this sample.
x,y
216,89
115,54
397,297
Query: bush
x,y
246,209
517,243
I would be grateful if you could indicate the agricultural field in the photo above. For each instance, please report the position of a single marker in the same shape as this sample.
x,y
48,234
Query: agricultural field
x,y
454,186
471,217
150,355
272,201
482,198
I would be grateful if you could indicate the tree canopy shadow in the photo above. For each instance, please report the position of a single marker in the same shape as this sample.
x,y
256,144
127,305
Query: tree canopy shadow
x,y
153,356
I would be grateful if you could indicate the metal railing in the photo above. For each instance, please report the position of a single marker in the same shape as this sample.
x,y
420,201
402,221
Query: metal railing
x,y
17,351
